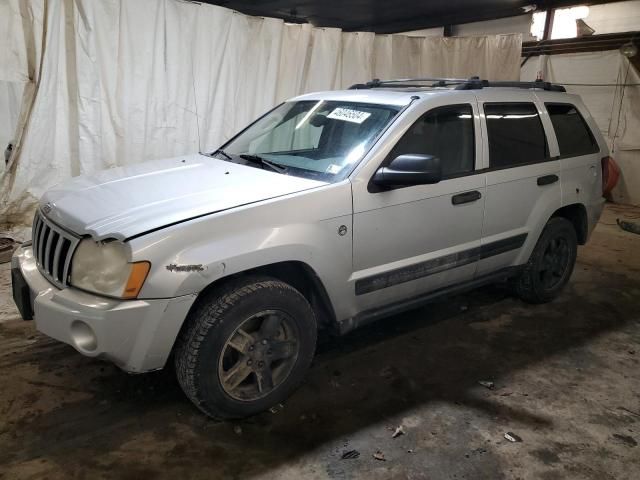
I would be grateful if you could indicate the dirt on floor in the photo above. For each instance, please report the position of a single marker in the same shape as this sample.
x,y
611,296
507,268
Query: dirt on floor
x,y
566,383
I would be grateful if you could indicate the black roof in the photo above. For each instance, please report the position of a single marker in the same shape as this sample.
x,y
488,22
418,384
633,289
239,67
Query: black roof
x,y
389,16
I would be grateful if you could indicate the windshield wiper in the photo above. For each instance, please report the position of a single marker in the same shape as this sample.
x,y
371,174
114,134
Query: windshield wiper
x,y
263,161
223,153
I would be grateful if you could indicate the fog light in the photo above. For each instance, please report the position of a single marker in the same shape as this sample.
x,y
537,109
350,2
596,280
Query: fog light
x,y
83,336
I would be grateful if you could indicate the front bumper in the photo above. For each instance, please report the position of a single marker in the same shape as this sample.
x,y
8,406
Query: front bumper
x,y
136,335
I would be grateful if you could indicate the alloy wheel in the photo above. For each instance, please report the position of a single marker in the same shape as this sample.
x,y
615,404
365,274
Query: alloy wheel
x,y
259,355
554,263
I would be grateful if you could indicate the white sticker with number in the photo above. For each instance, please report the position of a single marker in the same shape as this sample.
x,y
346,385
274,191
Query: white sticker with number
x,y
348,115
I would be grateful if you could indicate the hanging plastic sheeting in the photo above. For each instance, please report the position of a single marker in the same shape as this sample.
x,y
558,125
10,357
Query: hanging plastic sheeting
x,y
21,27
10,101
616,109
21,24
121,82
492,57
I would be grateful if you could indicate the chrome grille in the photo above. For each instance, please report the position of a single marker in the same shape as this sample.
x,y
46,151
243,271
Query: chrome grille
x,y
52,249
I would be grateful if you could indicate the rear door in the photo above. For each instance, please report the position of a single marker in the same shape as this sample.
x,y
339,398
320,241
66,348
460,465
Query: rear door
x,y
523,177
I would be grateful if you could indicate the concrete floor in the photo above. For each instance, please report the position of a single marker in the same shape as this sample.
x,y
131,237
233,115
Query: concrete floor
x,y
566,381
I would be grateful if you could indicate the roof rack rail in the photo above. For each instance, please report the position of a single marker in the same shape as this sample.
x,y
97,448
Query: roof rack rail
x,y
473,83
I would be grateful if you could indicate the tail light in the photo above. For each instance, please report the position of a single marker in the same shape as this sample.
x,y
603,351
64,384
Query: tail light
x,y
610,175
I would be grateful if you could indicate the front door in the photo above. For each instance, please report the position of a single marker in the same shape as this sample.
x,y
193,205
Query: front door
x,y
412,240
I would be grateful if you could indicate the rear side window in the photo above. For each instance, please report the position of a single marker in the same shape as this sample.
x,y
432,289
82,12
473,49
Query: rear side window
x,y
444,132
515,133
572,132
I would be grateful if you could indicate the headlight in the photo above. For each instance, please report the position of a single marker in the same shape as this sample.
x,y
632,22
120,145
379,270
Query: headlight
x,y
104,268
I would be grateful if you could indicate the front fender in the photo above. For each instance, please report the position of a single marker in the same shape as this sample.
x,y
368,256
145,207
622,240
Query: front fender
x,y
308,227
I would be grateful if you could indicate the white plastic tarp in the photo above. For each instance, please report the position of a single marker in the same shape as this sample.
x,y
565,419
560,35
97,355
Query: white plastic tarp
x,y
20,42
616,109
10,101
121,81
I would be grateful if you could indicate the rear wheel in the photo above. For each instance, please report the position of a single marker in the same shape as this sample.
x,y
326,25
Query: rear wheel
x,y
246,348
551,263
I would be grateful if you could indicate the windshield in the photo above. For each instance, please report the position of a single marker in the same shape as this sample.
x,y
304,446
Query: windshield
x,y
321,139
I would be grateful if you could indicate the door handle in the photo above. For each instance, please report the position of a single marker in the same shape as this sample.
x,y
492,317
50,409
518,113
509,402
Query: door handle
x,y
547,180
466,197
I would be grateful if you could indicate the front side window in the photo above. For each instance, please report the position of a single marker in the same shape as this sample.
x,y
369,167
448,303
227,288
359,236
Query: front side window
x,y
444,132
572,132
516,135
312,138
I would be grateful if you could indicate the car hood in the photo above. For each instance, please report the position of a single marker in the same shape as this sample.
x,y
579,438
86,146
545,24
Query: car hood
x,y
127,201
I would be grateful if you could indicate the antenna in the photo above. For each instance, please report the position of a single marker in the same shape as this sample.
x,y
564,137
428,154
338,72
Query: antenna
x,y
195,102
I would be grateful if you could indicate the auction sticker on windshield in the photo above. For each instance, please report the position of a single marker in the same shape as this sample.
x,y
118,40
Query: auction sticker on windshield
x,y
333,168
349,115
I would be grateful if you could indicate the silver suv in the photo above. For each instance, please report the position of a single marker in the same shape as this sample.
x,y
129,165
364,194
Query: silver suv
x,y
332,210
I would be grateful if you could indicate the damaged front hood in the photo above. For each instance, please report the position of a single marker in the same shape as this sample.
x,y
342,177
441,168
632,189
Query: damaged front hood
x,y
127,201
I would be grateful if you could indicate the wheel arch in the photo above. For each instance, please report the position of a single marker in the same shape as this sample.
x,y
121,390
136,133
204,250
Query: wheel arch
x,y
576,213
298,274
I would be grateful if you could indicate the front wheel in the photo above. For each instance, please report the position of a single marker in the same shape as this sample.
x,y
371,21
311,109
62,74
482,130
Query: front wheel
x,y
246,348
551,263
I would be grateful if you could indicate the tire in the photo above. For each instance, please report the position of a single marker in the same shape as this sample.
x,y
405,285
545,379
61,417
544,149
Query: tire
x,y
233,334
534,284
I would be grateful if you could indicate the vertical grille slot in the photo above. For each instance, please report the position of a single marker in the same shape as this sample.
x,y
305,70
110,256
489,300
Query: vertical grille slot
x,y
36,238
45,243
53,248
63,267
52,243
57,264
41,233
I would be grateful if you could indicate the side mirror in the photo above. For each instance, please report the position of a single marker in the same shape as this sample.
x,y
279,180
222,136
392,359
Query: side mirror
x,y
409,169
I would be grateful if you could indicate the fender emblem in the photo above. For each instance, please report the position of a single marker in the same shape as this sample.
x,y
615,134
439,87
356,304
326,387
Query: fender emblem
x,y
172,267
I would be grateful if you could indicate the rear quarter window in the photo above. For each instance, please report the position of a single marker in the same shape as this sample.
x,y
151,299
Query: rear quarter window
x,y
573,134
